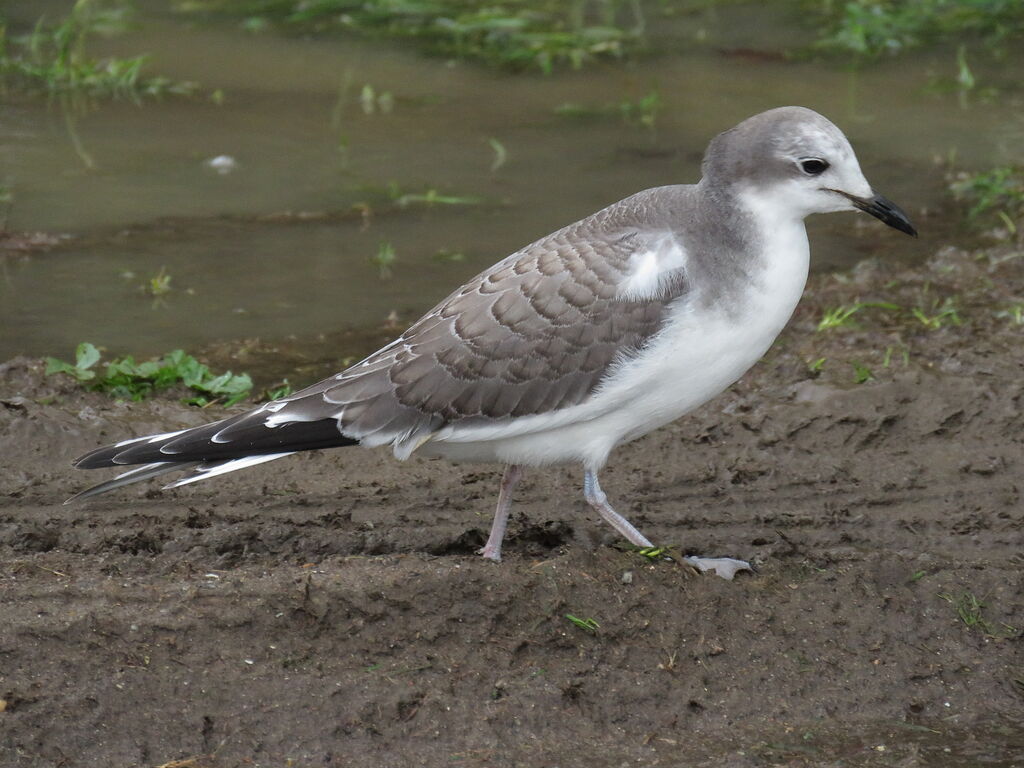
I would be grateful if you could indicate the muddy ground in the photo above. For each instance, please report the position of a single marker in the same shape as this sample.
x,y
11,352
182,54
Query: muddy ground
x,y
328,609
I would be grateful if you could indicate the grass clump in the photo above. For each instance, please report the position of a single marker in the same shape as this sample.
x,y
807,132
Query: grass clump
x,y
938,316
970,610
841,316
123,377
519,34
873,28
54,57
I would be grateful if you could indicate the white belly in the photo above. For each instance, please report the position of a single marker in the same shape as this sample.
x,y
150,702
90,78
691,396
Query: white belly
x,y
700,352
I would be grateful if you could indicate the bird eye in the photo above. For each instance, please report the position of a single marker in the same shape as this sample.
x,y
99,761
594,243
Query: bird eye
x,y
813,166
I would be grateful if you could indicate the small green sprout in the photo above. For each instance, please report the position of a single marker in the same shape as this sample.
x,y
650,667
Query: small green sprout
x,y
969,610
385,258
278,391
815,366
861,373
840,316
643,112
964,76
837,317
589,625
160,284
372,102
946,315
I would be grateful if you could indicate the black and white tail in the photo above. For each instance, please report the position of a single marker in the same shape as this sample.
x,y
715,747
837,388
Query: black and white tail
x,y
209,450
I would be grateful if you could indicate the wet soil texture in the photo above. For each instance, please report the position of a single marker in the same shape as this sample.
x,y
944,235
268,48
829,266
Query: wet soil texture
x,y
328,608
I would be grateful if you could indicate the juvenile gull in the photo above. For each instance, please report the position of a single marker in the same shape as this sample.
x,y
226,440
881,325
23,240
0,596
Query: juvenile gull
x,y
586,339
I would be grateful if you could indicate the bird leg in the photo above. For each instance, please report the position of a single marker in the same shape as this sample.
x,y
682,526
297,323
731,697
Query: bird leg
x,y
492,549
596,499
726,567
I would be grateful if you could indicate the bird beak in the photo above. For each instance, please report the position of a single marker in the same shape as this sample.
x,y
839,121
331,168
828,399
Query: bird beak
x,y
883,209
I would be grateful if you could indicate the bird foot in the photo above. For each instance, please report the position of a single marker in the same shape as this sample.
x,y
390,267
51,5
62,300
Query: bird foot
x,y
726,567
490,553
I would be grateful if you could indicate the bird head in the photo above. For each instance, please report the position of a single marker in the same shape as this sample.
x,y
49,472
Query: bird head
x,y
799,163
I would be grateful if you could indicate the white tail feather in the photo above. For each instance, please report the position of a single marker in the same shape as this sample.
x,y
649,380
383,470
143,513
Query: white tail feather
x,y
212,469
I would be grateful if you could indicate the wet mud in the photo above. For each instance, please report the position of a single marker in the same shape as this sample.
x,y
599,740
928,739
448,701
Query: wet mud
x,y
328,608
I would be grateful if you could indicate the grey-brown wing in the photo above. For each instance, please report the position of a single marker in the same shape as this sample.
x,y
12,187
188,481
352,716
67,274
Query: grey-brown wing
x,y
534,333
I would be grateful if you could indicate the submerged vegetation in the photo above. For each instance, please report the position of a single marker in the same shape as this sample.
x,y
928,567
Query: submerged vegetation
x,y
54,58
642,112
999,191
517,34
123,377
385,259
873,28
540,34
545,34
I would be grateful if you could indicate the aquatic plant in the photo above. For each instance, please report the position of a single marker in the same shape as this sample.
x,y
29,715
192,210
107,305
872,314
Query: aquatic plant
x,y
519,34
1000,190
385,259
642,112
873,28
123,377
428,197
55,59
159,284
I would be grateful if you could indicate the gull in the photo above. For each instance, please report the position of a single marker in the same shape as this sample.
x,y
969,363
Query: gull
x,y
582,341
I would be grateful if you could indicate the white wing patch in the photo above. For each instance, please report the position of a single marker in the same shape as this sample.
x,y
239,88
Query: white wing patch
x,y
650,269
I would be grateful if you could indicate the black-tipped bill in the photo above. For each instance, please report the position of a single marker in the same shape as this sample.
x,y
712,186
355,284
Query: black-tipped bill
x,y
883,209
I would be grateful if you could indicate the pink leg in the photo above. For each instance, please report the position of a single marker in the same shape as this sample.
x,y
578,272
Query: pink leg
x,y
596,499
492,550
726,567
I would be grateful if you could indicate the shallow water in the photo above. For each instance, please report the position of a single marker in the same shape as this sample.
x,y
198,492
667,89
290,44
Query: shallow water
x,y
292,121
